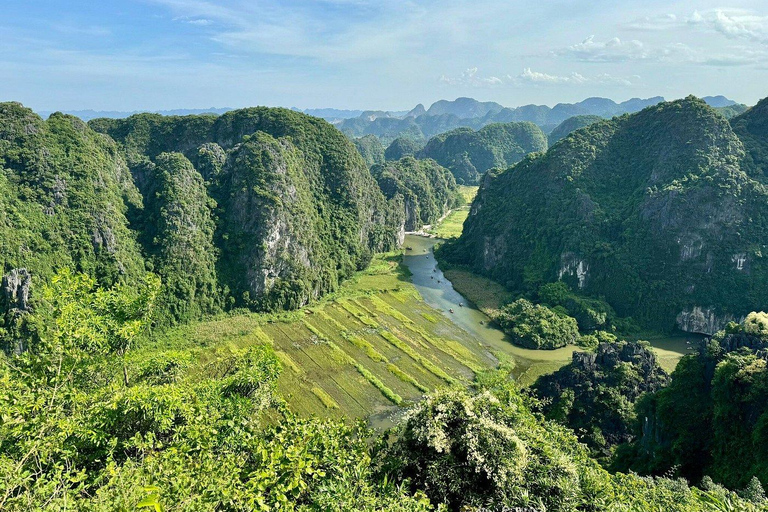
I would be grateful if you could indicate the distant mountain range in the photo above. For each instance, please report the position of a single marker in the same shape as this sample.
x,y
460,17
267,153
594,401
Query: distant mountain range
x,y
441,116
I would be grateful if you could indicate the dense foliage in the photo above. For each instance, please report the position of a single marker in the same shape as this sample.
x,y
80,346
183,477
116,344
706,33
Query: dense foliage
x,y
571,125
591,314
595,394
296,209
371,149
713,418
670,235
64,191
425,189
468,153
402,147
536,326
752,129
487,451
177,227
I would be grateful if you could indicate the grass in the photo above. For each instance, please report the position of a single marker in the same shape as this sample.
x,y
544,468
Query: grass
x,y
453,224
489,296
358,352
468,193
324,397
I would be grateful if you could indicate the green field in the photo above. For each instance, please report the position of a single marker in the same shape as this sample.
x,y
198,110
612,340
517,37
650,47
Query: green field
x,y
452,225
362,352
489,296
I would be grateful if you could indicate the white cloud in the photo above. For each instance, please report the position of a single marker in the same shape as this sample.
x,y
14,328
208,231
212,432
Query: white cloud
x,y
654,23
200,21
618,50
734,24
471,78
537,77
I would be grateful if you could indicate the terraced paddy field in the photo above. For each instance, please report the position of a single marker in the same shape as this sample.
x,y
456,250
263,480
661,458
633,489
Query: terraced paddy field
x,y
363,352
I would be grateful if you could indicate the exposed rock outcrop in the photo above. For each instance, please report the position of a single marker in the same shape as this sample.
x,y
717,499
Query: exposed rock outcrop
x,y
655,212
593,395
704,320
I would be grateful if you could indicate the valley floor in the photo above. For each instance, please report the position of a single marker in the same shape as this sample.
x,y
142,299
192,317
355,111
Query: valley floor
x,y
360,353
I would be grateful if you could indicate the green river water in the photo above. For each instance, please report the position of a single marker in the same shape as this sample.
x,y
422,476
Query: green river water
x,y
439,293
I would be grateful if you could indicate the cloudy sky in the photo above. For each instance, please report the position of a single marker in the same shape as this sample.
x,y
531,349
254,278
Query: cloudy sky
x,y
391,54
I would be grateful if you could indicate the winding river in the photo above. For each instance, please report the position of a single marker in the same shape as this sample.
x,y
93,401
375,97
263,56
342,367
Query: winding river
x,y
439,293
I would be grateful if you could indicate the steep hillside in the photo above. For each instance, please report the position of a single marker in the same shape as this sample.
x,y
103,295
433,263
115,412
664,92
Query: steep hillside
x,y
468,154
425,189
752,129
570,125
176,227
63,195
402,147
713,418
671,234
371,149
595,394
297,209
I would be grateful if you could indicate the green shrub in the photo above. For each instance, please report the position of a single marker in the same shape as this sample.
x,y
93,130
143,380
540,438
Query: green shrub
x,y
536,326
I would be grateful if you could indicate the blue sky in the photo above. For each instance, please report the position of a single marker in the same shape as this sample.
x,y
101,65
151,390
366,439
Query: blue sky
x,y
163,54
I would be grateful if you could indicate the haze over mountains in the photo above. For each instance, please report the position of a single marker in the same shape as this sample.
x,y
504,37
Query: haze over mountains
x,y
463,108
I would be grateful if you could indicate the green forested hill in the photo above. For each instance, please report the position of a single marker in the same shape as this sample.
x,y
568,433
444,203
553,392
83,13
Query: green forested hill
x,y
263,208
371,149
713,418
64,191
569,125
402,147
468,153
426,190
653,211
752,129
296,209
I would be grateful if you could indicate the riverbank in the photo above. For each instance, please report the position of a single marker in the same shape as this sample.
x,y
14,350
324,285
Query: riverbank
x,y
490,296
365,351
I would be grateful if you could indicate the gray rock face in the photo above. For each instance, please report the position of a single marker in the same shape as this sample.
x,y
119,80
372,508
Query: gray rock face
x,y
703,320
16,288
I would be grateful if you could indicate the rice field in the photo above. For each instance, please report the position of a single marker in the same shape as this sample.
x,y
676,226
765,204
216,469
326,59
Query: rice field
x,y
365,352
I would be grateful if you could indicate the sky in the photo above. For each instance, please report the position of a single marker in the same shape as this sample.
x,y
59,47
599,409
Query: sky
x,y
360,54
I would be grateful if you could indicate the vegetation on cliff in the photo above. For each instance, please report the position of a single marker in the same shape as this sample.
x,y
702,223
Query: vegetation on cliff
x,y
425,189
571,125
371,149
595,395
713,417
402,147
752,129
669,235
468,153
297,209
64,194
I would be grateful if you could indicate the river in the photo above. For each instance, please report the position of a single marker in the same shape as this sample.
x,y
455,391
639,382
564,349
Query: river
x,y
439,293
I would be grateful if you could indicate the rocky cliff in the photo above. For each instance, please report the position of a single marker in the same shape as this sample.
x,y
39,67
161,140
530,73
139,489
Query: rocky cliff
x,y
425,190
64,193
595,394
297,208
654,211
